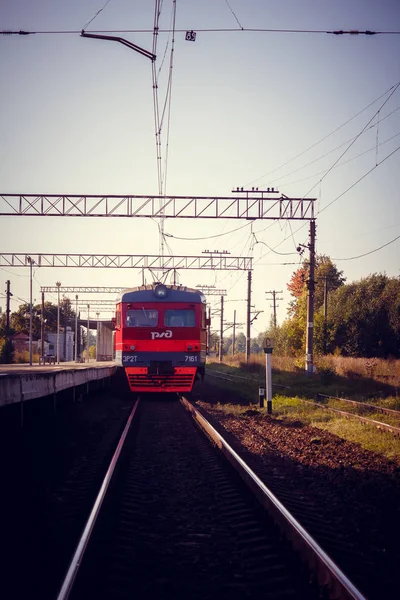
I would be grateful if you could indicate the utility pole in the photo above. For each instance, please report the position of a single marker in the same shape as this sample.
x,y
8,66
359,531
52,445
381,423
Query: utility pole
x,y
97,336
8,297
221,336
31,262
325,311
310,303
42,329
58,284
208,332
274,299
234,333
8,341
87,337
76,328
248,316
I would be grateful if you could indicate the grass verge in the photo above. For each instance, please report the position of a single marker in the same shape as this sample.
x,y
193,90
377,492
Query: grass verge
x,y
293,409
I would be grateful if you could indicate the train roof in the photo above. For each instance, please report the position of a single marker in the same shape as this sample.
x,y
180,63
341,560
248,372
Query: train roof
x,y
158,292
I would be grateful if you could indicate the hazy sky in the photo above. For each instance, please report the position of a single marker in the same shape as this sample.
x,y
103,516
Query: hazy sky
x,y
247,108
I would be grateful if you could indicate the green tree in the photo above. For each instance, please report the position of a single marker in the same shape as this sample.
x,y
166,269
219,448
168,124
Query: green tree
x,y
364,318
20,319
240,343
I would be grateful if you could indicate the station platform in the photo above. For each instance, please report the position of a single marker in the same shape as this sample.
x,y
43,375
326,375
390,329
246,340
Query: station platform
x,y
20,382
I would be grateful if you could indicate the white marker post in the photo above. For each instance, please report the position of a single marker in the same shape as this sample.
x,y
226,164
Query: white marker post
x,y
268,373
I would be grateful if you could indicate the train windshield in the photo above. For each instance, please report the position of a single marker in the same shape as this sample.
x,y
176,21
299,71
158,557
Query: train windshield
x,y
142,318
179,318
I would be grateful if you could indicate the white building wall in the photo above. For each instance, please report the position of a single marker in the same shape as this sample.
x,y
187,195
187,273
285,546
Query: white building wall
x,y
67,344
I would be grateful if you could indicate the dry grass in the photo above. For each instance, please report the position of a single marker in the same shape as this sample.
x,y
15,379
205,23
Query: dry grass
x,y
23,357
387,371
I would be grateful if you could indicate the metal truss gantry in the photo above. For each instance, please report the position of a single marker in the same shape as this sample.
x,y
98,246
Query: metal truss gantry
x,y
79,289
129,261
255,205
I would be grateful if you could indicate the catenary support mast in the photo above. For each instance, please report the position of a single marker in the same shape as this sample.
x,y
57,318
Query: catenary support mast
x,y
310,303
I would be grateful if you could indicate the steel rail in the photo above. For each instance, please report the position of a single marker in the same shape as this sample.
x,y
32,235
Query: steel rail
x,y
377,424
347,415
380,409
76,561
231,377
328,574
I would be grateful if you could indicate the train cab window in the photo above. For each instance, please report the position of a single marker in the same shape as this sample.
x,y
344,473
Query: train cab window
x,y
142,318
180,318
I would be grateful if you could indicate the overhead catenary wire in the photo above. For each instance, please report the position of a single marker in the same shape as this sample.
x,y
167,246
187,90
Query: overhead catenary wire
x,y
236,19
352,32
332,202
360,179
160,115
395,88
278,179
325,137
97,13
207,237
342,164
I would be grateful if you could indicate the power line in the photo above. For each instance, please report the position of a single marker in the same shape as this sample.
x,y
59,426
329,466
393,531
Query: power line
x,y
370,252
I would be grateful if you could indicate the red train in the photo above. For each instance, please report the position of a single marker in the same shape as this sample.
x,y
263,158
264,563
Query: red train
x,y
160,337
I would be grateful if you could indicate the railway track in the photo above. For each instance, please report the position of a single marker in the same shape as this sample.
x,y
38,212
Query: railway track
x,y
349,415
175,521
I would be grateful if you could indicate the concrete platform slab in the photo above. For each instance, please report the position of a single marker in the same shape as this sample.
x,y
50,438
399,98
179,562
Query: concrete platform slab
x,y
20,382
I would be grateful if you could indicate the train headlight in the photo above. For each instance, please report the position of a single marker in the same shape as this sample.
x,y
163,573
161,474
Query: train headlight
x,y
160,291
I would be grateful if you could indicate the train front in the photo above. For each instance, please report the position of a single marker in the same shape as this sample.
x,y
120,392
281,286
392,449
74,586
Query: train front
x,y
160,337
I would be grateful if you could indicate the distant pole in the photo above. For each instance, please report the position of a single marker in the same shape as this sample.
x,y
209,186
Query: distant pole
x,y
234,333
8,297
268,373
87,337
76,328
58,284
8,352
221,335
248,316
97,336
325,312
209,331
31,262
274,299
310,303
42,329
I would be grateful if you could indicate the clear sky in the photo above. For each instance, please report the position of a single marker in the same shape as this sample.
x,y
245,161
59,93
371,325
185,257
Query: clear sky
x,y
247,108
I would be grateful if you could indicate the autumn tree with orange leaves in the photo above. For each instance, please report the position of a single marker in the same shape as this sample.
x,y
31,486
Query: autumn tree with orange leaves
x,y
324,270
